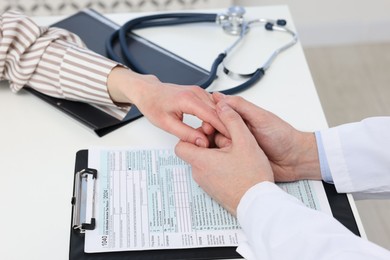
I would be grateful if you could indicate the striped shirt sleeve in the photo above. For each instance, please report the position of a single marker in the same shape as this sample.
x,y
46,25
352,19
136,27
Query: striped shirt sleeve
x,y
53,61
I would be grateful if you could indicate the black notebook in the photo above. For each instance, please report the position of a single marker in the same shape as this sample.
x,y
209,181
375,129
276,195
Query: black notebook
x,y
94,29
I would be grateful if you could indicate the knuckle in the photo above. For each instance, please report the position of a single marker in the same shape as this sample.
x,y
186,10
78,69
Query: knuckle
x,y
236,99
195,88
152,77
184,95
231,115
198,91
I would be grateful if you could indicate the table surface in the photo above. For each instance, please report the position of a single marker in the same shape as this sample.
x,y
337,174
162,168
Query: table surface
x,y
38,142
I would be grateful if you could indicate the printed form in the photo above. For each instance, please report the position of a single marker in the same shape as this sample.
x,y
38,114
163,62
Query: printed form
x,y
146,199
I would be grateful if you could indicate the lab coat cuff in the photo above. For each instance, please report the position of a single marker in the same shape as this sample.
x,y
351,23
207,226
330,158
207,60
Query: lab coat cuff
x,y
336,159
246,204
324,166
245,250
264,195
253,193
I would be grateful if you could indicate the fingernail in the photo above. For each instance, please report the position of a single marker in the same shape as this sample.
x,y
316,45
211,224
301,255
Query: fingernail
x,y
199,142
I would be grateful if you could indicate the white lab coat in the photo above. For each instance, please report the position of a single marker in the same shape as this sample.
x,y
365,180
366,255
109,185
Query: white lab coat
x,y
278,226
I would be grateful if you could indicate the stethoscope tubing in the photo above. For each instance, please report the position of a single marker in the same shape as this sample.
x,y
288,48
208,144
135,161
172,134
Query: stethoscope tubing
x,y
157,20
169,19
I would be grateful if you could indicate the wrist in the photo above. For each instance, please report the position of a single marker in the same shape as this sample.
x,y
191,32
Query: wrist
x,y
308,164
124,85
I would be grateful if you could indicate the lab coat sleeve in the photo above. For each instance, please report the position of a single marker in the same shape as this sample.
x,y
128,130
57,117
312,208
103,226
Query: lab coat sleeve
x,y
278,226
358,156
53,61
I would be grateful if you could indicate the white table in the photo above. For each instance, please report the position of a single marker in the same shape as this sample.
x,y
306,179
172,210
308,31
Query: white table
x,y
38,143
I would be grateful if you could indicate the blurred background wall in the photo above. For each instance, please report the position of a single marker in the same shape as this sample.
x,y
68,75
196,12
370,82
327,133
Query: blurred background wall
x,y
60,7
318,22
334,22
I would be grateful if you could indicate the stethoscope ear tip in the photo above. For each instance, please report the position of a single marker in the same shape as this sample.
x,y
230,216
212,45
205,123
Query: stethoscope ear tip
x,y
269,26
281,22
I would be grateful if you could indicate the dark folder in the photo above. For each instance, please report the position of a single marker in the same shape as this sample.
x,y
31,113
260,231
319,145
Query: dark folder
x,y
93,28
341,210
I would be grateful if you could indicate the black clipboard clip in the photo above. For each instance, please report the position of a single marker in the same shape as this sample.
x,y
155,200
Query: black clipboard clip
x,y
79,201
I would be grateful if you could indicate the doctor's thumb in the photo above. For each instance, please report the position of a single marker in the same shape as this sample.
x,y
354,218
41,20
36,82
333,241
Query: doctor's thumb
x,y
232,120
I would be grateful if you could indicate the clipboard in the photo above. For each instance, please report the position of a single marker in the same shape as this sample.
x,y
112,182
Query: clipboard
x,y
175,69
78,226
341,210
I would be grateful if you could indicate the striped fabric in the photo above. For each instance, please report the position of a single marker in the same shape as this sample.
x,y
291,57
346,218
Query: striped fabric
x,y
53,61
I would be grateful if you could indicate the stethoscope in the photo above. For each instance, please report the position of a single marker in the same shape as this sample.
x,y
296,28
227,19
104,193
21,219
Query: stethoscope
x,y
232,22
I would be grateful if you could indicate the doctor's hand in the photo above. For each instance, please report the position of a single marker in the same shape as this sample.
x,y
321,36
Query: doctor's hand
x,y
226,173
165,104
292,153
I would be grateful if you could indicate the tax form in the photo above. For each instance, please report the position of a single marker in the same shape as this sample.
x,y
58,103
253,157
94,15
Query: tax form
x,y
146,199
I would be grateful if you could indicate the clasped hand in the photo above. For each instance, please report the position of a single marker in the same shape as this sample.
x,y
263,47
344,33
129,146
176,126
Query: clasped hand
x,y
247,144
259,147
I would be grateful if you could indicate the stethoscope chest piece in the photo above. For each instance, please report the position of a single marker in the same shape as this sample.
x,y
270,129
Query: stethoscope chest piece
x,y
232,21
